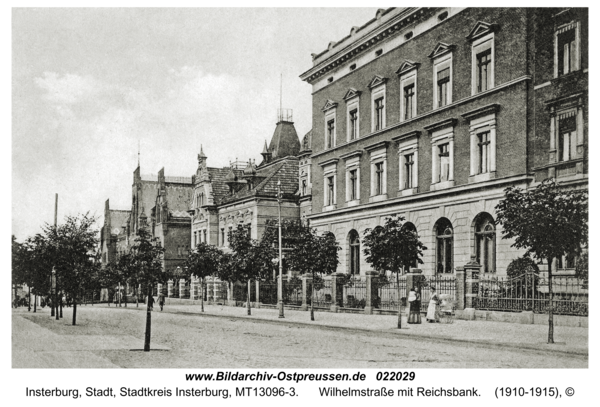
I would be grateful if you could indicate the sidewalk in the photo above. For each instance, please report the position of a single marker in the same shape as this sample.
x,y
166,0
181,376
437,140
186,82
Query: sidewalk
x,y
569,340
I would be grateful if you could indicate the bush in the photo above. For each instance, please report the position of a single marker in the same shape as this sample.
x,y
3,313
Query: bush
x,y
522,265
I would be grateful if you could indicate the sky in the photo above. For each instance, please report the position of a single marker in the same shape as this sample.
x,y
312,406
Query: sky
x,y
91,85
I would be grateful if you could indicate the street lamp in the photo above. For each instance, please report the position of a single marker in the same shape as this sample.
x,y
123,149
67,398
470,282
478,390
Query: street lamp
x,y
54,300
280,281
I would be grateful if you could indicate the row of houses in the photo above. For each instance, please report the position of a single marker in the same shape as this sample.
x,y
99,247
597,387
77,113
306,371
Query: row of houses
x,y
424,112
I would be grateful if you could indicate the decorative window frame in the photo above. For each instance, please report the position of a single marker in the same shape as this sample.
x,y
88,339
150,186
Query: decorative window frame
x,y
576,25
482,38
482,119
329,170
569,105
408,144
408,75
441,133
330,111
378,154
378,88
352,161
441,57
352,99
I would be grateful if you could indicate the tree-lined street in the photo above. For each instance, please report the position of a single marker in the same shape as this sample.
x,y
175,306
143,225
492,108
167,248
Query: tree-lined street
x,y
182,337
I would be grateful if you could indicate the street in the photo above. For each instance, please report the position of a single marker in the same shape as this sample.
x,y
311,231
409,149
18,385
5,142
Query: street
x,y
109,337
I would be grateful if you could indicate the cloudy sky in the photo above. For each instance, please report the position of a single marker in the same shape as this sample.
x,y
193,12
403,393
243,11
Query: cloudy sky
x,y
89,84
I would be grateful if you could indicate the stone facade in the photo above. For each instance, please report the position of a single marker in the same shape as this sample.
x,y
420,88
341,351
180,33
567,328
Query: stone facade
x,y
430,113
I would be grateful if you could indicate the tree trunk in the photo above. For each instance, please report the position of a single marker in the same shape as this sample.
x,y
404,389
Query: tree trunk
x,y
125,296
148,324
399,301
61,304
248,299
29,300
551,307
202,294
119,294
312,297
56,302
34,302
137,300
15,297
74,310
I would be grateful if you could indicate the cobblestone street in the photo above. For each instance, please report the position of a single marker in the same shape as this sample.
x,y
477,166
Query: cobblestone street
x,y
113,337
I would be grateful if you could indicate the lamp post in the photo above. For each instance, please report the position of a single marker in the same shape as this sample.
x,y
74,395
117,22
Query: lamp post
x,y
280,281
54,292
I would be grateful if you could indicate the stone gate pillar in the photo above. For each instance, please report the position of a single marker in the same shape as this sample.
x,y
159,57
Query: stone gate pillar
x,y
372,300
337,293
472,269
170,288
181,287
460,288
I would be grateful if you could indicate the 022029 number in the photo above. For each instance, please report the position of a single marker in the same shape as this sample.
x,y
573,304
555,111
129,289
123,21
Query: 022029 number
x,y
395,376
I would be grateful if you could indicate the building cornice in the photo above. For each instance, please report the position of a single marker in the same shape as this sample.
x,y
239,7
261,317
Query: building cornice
x,y
379,34
406,136
441,124
481,111
330,161
376,146
356,153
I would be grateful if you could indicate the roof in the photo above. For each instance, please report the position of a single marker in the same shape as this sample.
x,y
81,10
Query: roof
x,y
284,170
285,141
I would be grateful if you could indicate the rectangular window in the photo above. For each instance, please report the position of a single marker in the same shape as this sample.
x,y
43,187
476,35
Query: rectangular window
x,y
409,94
378,178
443,82
567,54
379,114
408,170
484,152
353,124
222,237
330,133
330,191
303,189
204,234
484,74
444,155
353,185
567,136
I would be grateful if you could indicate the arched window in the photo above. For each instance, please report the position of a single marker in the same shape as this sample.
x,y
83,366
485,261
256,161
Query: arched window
x,y
444,246
410,227
354,240
485,241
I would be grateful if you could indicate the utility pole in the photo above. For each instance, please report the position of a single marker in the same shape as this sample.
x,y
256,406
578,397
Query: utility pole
x,y
54,285
280,280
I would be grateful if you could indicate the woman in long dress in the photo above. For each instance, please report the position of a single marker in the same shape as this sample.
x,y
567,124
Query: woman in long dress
x,y
414,299
433,308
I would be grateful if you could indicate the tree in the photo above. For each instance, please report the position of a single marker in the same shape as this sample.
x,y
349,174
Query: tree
x,y
548,221
19,264
74,244
392,247
146,259
313,254
251,260
202,262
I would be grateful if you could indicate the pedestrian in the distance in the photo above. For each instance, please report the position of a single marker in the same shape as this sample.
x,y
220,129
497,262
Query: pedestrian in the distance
x,y
414,299
161,300
151,302
433,308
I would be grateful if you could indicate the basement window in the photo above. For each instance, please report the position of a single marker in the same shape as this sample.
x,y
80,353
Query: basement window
x,y
408,35
443,16
378,52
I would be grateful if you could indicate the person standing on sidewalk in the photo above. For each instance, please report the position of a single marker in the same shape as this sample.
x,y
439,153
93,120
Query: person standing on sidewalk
x,y
161,300
433,308
151,302
414,299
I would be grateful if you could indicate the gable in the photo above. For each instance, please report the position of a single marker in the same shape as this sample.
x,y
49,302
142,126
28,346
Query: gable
x,y
352,93
376,81
440,49
407,66
480,29
330,104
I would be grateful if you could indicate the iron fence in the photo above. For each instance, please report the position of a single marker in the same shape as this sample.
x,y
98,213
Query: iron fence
x,y
185,292
240,292
292,293
355,294
387,294
323,295
529,292
175,290
221,292
445,285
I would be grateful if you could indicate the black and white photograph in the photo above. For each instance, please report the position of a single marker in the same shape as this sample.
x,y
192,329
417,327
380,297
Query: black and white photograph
x,y
290,205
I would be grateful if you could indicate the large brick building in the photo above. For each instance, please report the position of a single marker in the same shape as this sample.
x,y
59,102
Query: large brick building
x,y
430,113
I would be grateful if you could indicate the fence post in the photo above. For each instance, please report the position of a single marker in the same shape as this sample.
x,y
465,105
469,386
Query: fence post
x,y
257,304
181,287
334,294
230,299
460,288
170,288
372,292
306,286
472,287
192,288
